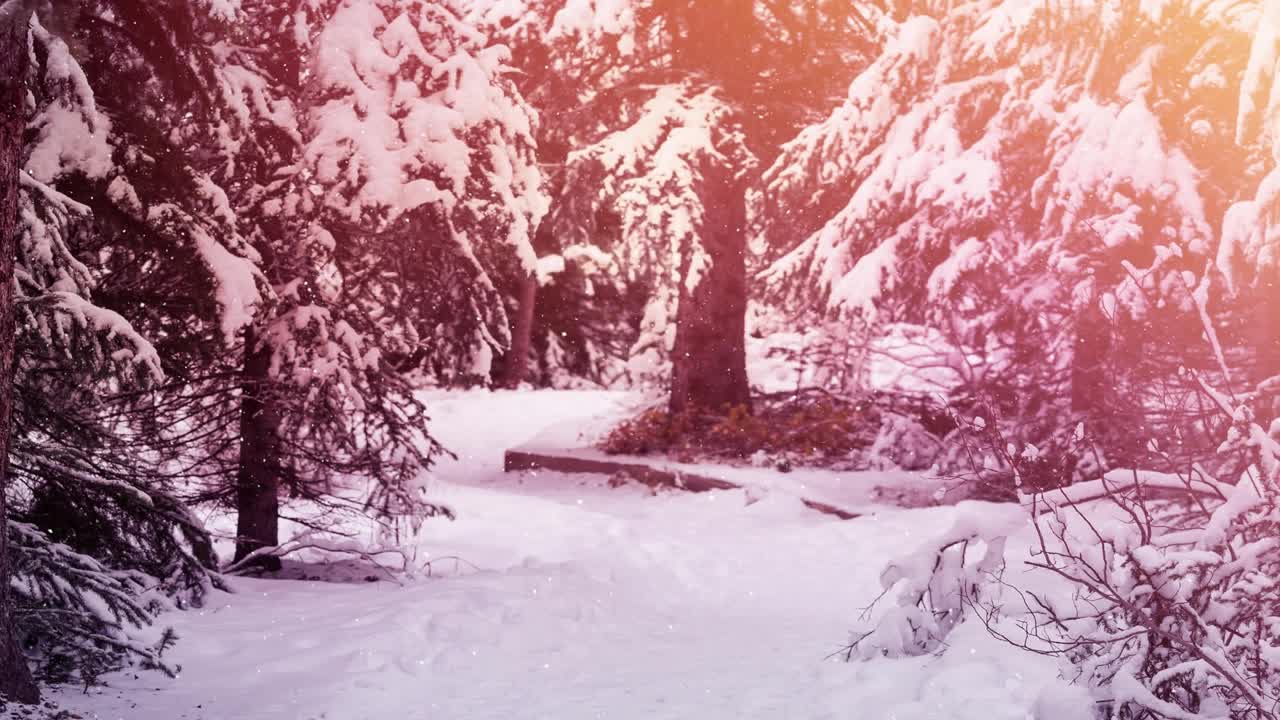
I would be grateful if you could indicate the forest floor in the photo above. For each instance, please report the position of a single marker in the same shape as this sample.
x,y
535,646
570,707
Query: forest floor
x,y
580,600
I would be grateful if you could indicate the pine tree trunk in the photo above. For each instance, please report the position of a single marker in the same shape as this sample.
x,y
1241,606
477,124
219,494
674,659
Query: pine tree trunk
x,y
1090,383
522,334
258,476
15,676
709,365
709,361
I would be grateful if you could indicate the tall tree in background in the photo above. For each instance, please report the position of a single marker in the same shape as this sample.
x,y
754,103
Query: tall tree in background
x,y
654,153
708,359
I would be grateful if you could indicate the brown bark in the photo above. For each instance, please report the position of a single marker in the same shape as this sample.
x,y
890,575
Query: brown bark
x,y
258,475
709,361
709,367
522,334
15,676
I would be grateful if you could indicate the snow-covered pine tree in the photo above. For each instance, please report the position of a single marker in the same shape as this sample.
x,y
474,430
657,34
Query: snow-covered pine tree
x,y
211,153
413,183
1171,571
1249,255
420,160
107,543
206,127
286,328
660,177
647,118
1035,194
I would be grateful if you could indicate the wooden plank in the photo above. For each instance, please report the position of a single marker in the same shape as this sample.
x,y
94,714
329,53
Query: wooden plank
x,y
654,477
517,460
828,509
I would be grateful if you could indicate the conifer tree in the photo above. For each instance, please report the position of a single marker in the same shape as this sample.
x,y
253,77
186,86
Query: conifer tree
x,y
655,150
981,179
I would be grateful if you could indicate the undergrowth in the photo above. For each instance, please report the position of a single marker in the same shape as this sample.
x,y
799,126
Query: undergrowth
x,y
809,427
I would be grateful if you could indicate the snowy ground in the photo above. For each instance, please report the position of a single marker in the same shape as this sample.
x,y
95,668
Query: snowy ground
x,y
584,601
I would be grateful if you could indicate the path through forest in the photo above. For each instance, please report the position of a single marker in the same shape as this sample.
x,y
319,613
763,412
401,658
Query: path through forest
x,y
585,601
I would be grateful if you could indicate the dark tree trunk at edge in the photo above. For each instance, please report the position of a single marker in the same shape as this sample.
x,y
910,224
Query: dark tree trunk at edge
x,y
258,476
15,676
521,334
709,364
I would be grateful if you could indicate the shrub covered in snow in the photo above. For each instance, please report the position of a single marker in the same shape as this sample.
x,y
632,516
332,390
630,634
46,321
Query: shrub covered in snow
x,y
931,588
1164,593
1174,579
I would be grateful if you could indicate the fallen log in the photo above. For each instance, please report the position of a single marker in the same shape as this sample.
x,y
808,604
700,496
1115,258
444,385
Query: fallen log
x,y
518,460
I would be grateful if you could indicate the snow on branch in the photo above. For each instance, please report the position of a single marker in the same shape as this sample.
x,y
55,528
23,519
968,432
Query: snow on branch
x,y
959,154
397,126
71,134
933,585
1130,481
652,175
311,540
114,340
84,619
1249,252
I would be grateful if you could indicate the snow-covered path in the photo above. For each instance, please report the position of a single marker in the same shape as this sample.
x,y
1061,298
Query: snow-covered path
x,y
589,602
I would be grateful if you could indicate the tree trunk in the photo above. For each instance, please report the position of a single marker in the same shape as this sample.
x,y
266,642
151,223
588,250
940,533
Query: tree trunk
x,y
522,334
258,476
15,676
1092,393
709,362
